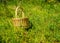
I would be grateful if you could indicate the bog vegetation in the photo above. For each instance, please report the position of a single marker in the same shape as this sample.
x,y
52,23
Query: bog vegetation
x,y
44,15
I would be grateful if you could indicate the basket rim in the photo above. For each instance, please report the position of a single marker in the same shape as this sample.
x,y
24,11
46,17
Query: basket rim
x,y
20,18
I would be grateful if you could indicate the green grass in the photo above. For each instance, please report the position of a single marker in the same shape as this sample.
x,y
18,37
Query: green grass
x,y
44,17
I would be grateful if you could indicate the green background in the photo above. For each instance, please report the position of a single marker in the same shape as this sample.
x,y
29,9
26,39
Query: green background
x,y
43,14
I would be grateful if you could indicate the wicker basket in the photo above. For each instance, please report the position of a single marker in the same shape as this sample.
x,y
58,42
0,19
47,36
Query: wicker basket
x,y
22,22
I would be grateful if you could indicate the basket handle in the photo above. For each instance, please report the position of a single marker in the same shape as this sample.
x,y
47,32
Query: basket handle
x,y
16,12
